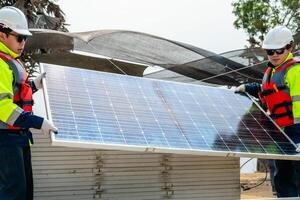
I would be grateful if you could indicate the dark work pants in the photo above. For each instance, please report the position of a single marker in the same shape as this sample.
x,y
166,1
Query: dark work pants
x,y
287,172
16,182
271,165
287,178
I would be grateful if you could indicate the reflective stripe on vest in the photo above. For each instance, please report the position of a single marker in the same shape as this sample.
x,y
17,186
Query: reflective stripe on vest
x,y
276,94
296,98
21,89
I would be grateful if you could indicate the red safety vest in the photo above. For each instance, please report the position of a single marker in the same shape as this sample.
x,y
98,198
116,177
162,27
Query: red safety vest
x,y
276,94
21,88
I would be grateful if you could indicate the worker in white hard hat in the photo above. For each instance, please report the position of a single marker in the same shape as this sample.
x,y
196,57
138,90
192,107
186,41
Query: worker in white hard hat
x,y
16,103
280,92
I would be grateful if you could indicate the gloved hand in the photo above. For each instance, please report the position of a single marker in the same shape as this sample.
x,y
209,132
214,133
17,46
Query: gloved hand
x,y
47,126
298,147
38,80
240,89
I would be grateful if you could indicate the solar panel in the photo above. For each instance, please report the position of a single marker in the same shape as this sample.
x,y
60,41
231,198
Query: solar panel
x,y
110,111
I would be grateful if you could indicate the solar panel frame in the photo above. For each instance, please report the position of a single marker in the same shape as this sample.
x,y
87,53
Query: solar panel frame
x,y
154,149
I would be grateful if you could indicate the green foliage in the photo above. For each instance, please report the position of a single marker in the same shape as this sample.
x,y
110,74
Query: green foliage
x,y
40,13
256,17
45,14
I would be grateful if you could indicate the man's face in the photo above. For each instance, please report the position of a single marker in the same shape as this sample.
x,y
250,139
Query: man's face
x,y
278,56
13,42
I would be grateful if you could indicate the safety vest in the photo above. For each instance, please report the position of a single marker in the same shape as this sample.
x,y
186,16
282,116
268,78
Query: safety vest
x,y
21,88
276,94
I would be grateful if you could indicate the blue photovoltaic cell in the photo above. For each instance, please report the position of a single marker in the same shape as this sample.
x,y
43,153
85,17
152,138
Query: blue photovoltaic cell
x,y
110,109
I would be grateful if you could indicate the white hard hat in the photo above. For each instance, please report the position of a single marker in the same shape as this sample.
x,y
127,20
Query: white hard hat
x,y
277,38
13,18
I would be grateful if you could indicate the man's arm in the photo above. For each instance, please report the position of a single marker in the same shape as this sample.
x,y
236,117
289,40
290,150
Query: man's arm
x,y
251,88
10,113
293,82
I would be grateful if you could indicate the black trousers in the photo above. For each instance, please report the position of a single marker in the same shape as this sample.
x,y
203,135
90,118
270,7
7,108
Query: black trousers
x,y
16,181
287,172
287,177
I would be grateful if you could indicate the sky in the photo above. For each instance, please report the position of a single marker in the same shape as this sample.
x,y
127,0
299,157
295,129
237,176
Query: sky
x,y
206,24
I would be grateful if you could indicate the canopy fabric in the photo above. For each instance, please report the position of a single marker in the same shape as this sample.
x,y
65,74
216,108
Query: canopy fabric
x,y
129,52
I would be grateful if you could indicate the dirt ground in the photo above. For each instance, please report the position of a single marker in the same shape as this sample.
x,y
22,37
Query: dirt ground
x,y
262,191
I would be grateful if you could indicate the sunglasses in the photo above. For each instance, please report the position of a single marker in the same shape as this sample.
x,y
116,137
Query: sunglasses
x,y
271,52
20,38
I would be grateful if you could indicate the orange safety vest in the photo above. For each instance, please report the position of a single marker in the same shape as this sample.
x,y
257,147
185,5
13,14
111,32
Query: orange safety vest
x,y
21,88
276,94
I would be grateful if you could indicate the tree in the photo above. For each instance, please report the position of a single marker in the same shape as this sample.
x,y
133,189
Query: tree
x,y
40,13
257,17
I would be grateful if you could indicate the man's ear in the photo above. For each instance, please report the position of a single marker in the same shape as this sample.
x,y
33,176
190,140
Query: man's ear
x,y
3,36
290,47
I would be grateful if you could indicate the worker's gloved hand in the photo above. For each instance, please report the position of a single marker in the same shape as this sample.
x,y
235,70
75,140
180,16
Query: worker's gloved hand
x,y
47,126
298,147
38,80
240,89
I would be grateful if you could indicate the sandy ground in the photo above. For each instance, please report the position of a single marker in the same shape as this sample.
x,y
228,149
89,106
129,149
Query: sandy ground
x,y
262,191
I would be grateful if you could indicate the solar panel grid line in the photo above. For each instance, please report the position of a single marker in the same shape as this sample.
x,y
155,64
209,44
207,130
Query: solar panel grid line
x,y
170,111
134,113
268,116
194,122
252,135
80,113
165,141
265,132
188,111
74,109
158,117
110,104
132,118
258,141
228,124
69,101
108,111
212,123
116,115
93,110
